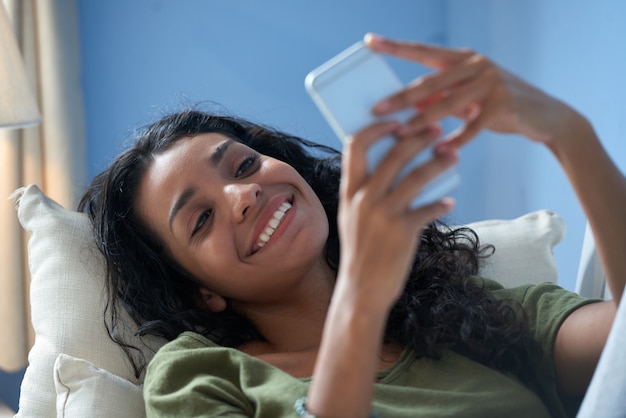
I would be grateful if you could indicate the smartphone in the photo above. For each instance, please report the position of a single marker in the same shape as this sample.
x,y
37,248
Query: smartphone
x,y
345,89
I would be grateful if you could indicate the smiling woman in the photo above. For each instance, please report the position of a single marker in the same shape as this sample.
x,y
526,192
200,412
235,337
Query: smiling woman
x,y
218,197
285,272
170,198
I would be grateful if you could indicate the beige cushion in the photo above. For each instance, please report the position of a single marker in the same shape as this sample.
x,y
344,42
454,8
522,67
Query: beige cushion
x,y
67,291
84,390
67,300
5,411
523,247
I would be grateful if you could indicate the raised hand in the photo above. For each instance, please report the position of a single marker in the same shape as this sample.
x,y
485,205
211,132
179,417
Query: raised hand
x,y
379,234
379,231
472,87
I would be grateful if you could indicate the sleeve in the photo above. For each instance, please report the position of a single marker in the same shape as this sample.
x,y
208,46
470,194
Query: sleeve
x,y
180,382
546,306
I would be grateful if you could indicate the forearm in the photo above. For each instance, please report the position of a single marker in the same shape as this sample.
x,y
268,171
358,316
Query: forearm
x,y
601,189
347,362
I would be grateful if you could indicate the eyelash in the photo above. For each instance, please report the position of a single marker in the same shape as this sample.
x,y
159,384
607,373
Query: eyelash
x,y
246,165
202,219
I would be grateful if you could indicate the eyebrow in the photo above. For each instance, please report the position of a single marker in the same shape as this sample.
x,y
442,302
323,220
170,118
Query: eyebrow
x,y
186,196
182,200
219,152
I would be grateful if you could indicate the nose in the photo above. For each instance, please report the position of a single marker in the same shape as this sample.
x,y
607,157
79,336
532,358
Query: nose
x,y
242,197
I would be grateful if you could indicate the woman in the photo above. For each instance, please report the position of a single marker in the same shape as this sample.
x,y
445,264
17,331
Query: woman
x,y
223,236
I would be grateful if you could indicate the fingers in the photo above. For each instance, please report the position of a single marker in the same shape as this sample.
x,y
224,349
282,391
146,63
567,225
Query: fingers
x,y
354,170
382,185
405,192
394,162
433,88
431,56
429,213
463,100
466,132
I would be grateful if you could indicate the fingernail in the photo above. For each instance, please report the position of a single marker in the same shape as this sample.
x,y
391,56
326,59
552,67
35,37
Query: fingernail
x,y
449,202
403,130
394,126
382,106
372,38
442,148
436,129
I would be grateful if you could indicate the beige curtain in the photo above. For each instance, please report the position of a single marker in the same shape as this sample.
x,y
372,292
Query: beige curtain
x,y
51,155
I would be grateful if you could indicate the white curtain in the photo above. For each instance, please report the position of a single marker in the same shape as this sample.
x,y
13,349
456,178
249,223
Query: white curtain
x,y
51,155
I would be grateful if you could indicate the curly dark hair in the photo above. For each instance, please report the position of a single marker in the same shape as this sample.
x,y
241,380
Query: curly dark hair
x,y
442,305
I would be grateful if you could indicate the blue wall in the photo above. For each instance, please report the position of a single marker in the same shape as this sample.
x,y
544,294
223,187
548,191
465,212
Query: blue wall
x,y
575,51
249,57
144,57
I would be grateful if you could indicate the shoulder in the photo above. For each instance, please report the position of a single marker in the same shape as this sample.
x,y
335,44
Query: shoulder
x,y
545,306
187,341
185,352
189,376
193,376
546,295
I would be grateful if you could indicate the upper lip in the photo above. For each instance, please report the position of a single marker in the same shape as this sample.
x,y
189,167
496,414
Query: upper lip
x,y
264,217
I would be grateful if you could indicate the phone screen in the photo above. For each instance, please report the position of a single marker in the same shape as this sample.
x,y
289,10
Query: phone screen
x,y
345,89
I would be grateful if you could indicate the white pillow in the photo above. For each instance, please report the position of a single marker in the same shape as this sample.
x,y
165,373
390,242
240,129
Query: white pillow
x,y
67,300
5,411
84,390
523,245
68,273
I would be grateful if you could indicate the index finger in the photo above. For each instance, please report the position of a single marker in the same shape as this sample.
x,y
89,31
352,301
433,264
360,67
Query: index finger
x,y
428,55
354,168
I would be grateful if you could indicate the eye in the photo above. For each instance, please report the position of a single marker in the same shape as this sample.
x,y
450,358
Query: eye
x,y
248,164
202,219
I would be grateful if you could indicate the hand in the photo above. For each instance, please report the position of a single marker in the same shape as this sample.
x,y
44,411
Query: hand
x,y
472,87
378,229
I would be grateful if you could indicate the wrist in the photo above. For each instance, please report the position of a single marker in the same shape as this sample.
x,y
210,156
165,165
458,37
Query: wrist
x,y
347,360
364,297
574,127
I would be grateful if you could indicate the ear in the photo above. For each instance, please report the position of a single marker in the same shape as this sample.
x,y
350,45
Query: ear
x,y
210,301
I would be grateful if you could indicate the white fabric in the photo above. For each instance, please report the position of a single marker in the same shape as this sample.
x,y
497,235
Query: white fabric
x,y
84,390
5,411
591,282
67,291
66,297
524,247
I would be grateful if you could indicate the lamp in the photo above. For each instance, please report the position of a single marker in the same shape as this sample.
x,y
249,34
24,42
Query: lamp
x,y
18,107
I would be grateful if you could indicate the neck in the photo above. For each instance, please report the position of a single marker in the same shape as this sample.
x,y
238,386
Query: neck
x,y
294,321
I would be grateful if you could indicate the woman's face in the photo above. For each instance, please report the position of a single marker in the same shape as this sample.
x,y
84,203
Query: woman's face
x,y
247,226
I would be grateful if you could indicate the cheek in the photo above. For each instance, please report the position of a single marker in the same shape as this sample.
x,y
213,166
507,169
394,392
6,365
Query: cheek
x,y
212,262
318,228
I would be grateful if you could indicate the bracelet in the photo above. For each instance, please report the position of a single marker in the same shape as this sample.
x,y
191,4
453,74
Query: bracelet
x,y
300,408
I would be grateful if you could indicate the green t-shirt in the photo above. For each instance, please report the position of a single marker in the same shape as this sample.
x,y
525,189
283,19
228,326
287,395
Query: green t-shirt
x,y
191,376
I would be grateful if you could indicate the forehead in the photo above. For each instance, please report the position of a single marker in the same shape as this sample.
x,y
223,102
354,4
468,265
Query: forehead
x,y
173,169
182,155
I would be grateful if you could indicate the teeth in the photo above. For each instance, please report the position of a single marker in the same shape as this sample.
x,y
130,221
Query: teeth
x,y
273,223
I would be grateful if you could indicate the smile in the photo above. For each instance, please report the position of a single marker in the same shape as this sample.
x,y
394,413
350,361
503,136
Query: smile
x,y
272,224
